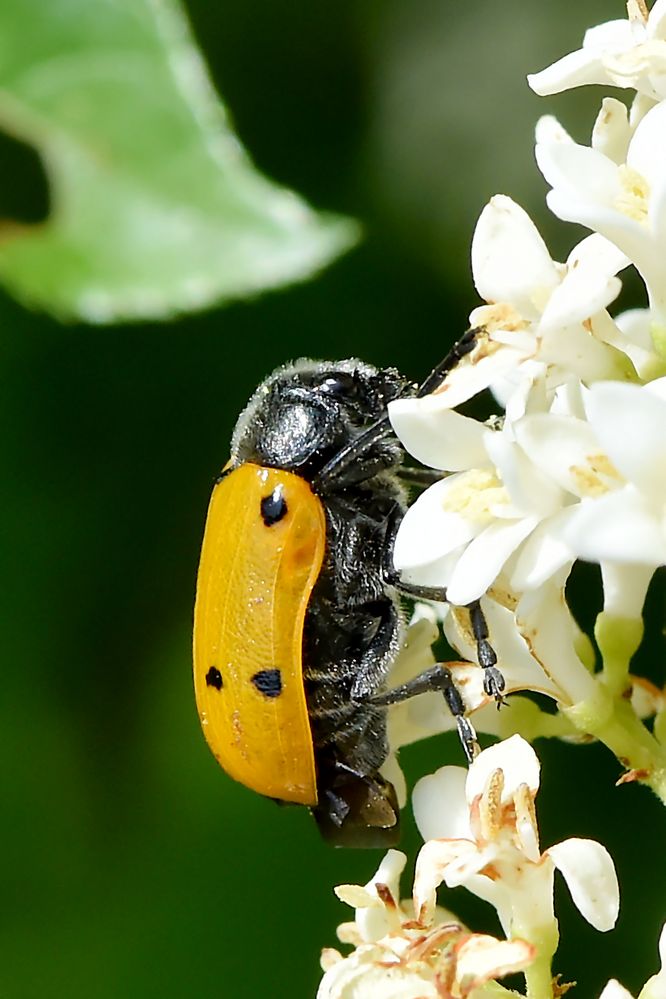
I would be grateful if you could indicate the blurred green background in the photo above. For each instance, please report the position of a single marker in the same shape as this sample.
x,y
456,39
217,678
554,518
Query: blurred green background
x,y
131,865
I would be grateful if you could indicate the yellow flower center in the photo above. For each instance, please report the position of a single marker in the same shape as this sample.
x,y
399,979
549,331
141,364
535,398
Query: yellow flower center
x,y
598,476
634,194
498,316
476,496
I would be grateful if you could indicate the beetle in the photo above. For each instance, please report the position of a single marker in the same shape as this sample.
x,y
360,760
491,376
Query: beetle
x,y
297,617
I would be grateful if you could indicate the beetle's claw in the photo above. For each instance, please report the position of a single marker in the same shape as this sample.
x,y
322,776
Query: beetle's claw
x,y
493,684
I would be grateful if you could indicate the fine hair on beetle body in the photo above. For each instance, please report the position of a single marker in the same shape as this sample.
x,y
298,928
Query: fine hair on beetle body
x,y
323,427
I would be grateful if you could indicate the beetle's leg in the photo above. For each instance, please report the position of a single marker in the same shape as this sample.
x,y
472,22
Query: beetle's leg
x,y
435,679
417,591
423,477
493,681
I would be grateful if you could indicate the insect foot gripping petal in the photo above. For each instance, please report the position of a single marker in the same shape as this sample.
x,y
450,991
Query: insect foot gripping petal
x,y
357,810
493,681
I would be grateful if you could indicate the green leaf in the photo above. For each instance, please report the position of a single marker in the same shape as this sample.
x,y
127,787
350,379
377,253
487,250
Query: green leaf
x,y
156,207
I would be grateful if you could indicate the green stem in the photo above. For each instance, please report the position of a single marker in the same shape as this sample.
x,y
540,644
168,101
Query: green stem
x,y
612,720
527,719
618,638
539,980
539,975
495,990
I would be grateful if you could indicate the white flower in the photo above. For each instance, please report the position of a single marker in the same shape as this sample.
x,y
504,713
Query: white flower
x,y
622,53
624,200
628,421
482,833
510,503
460,532
501,527
398,957
376,903
538,310
444,961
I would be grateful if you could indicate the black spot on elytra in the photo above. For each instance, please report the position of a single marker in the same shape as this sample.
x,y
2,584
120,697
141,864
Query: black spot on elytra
x,y
268,682
214,678
273,507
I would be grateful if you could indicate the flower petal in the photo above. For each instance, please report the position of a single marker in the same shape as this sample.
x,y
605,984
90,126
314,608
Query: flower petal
x,y
578,172
435,573
482,959
432,864
544,553
529,489
613,990
515,758
611,132
375,917
589,188
647,149
573,70
630,333
590,875
366,974
628,234
510,261
437,436
629,424
545,622
656,26
439,805
428,530
585,66
655,987
375,921
365,896
482,560
657,388
567,450
588,286
592,531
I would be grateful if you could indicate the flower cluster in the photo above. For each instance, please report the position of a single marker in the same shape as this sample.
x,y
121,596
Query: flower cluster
x,y
573,467
481,832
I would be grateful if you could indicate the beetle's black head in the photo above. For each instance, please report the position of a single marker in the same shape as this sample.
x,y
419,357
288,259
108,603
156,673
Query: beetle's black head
x,y
358,810
305,412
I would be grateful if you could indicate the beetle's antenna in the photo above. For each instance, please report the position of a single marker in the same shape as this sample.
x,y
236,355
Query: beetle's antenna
x,y
341,461
463,346
346,456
